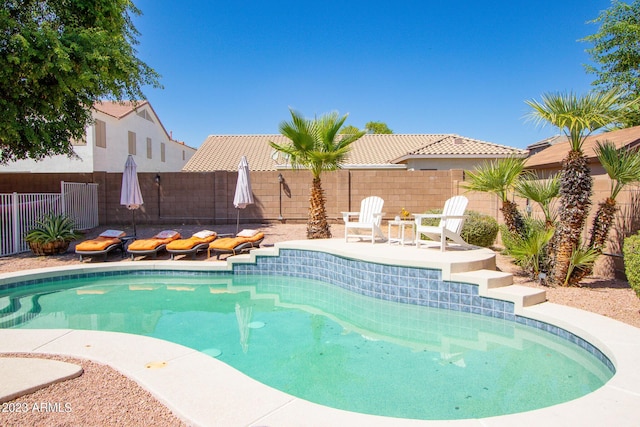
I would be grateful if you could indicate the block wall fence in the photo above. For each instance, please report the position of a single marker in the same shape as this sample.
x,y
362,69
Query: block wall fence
x,y
207,198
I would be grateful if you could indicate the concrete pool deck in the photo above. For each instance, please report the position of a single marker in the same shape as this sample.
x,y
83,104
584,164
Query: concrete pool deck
x,y
204,391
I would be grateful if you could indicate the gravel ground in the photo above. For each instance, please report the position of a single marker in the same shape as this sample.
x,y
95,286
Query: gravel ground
x,y
103,396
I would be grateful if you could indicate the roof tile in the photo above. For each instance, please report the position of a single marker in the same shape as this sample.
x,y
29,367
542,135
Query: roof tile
x,y
553,155
223,152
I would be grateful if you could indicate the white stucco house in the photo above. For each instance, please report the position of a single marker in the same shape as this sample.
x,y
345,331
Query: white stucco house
x,y
119,129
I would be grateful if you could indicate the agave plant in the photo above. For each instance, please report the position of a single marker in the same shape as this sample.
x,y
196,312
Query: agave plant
x,y
54,230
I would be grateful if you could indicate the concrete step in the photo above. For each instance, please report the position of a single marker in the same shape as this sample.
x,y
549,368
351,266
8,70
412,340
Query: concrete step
x,y
524,296
486,279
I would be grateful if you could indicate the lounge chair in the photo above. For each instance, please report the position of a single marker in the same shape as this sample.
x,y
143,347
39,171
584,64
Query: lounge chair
x,y
197,243
153,245
242,242
107,241
451,222
368,218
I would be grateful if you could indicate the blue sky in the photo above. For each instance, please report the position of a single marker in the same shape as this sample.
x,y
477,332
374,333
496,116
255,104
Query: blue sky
x,y
421,66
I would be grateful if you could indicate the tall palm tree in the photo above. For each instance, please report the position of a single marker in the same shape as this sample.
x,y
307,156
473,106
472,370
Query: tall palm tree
x,y
577,117
499,177
316,145
541,191
623,167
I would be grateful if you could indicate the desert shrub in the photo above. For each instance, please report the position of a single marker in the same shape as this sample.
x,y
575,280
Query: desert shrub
x,y
529,250
631,252
478,230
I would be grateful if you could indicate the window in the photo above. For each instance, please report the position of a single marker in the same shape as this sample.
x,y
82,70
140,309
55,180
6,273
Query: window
x,y
145,115
184,155
100,136
132,143
162,150
149,152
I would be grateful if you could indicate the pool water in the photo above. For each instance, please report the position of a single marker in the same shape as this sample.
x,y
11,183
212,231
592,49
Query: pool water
x,y
325,344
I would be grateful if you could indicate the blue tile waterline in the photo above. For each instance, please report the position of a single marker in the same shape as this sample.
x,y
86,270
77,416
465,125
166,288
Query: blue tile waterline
x,y
402,284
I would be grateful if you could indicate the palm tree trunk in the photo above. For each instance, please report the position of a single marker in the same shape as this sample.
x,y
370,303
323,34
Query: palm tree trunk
x,y
576,187
512,217
317,225
602,223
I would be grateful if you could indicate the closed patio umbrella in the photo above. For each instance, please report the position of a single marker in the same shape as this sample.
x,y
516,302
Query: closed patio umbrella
x,y
130,195
244,195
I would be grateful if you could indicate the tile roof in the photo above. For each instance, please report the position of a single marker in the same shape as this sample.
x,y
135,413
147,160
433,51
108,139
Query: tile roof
x,y
118,109
223,152
456,146
553,155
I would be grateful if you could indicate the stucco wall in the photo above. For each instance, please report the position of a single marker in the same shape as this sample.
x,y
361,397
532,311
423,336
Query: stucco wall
x,y
113,157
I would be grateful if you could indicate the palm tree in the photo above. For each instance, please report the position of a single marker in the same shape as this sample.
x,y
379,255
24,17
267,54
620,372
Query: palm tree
x,y
316,145
541,191
623,167
499,177
577,117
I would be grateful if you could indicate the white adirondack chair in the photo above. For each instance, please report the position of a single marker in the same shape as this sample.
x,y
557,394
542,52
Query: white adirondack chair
x,y
451,222
368,218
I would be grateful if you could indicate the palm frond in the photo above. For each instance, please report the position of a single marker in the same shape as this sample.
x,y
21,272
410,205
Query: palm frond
x,y
541,191
622,165
497,177
579,116
582,258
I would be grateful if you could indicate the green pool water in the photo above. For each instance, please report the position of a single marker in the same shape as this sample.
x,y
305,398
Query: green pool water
x,y
327,345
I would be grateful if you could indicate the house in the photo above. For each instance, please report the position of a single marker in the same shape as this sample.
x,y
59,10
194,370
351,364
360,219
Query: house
x,y
372,151
545,143
549,160
119,129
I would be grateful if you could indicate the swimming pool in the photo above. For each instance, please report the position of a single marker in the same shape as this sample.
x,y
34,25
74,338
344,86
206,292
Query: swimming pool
x,y
311,339
357,316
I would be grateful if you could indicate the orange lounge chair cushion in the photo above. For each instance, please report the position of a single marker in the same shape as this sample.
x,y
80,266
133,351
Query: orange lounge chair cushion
x,y
230,243
191,242
152,243
100,243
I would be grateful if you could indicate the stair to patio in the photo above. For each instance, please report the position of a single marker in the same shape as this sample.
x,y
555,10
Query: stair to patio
x,y
499,285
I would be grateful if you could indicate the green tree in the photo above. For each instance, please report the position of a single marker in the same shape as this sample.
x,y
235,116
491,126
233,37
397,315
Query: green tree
x,y
577,117
318,146
57,58
616,53
499,177
349,129
377,127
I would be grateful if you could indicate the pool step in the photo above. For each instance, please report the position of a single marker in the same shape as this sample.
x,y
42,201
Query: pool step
x,y
24,310
524,296
486,279
7,306
499,285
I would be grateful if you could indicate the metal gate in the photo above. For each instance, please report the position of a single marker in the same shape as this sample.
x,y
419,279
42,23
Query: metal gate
x,y
80,202
19,212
